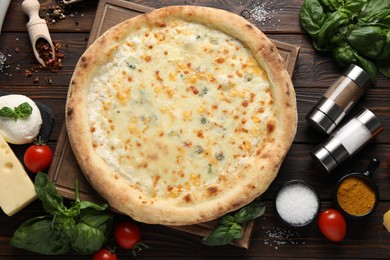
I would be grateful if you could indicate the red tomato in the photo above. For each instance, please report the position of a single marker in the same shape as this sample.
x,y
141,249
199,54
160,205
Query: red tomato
x,y
332,224
127,235
104,254
38,157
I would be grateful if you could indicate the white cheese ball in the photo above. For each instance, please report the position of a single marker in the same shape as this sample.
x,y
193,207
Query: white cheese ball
x,y
21,130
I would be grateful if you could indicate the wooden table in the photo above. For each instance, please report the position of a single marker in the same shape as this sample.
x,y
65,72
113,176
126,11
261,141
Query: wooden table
x,y
313,74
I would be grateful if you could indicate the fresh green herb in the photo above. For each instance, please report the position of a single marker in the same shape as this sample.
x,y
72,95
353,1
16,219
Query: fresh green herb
x,y
131,65
198,149
21,111
248,77
230,228
204,91
83,227
354,31
219,156
209,168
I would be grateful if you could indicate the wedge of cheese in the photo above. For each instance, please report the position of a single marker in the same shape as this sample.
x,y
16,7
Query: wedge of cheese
x,y
16,188
386,220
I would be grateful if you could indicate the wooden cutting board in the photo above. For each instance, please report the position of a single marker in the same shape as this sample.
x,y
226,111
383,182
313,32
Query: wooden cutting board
x,y
64,169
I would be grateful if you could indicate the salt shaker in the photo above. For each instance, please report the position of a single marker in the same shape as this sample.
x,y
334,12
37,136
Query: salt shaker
x,y
347,140
338,100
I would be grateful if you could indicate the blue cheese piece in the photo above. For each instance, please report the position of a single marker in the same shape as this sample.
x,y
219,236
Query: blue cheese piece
x,y
16,188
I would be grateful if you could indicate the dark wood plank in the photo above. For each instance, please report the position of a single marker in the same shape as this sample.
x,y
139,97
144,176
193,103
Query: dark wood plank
x,y
17,48
16,19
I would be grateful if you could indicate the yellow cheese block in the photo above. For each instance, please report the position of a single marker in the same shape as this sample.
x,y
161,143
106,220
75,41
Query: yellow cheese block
x,y
386,220
16,188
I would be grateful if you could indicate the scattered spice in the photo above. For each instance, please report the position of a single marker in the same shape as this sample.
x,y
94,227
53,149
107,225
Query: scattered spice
x,y
60,11
277,236
355,196
297,204
28,73
46,54
260,12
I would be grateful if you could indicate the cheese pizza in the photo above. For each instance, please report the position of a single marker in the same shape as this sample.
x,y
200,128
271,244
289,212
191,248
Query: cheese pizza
x,y
181,115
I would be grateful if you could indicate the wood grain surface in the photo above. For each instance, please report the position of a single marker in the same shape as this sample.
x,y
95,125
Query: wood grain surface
x,y
313,74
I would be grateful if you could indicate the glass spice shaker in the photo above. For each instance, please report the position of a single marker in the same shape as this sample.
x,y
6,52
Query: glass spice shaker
x,y
338,100
347,140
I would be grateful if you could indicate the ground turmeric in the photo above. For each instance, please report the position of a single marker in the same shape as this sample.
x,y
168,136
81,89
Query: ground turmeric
x,y
356,196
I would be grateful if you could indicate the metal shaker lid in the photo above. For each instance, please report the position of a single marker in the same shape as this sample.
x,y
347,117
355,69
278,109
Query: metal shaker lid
x,y
370,121
360,76
325,115
329,154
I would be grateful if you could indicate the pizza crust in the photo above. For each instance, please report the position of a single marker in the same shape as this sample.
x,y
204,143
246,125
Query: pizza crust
x,y
258,172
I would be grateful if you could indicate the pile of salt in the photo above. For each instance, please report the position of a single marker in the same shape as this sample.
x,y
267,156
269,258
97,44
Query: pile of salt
x,y
297,204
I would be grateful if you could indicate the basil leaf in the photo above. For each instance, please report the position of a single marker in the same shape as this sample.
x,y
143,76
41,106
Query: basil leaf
x,y
345,54
375,11
97,219
37,235
251,211
227,220
331,5
7,112
312,17
223,235
21,111
370,41
86,239
367,65
65,225
47,193
355,6
88,204
331,24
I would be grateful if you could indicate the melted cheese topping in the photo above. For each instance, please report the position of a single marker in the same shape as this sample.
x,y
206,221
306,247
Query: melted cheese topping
x,y
179,108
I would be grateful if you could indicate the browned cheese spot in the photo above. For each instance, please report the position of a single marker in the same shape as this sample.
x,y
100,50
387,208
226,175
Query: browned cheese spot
x,y
212,191
270,127
162,25
249,26
187,198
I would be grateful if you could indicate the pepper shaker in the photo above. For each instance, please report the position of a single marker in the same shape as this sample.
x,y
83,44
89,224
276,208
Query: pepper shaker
x,y
338,100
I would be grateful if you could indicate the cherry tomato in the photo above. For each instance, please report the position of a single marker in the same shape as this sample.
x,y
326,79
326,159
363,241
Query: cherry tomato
x,y
127,235
38,157
104,254
332,224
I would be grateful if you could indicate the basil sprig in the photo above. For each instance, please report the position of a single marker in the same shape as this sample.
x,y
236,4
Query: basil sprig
x,y
21,111
83,227
230,228
354,31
